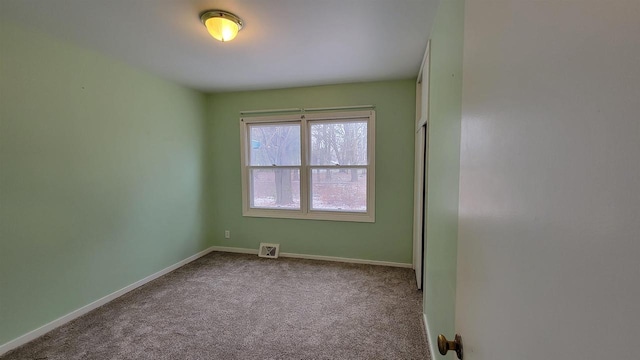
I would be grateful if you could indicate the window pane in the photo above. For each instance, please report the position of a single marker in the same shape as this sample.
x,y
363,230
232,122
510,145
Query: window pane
x,y
275,188
342,189
343,143
271,144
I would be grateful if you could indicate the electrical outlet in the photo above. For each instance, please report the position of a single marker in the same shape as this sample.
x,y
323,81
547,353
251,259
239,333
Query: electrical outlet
x,y
227,234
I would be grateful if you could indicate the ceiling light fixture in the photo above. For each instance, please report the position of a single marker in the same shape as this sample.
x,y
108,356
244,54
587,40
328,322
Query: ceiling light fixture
x,y
222,25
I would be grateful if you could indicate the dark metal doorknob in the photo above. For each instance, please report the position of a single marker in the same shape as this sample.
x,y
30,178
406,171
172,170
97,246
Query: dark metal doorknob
x,y
456,345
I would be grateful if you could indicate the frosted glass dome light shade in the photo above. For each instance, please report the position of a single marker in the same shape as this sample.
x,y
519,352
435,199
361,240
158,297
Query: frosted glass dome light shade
x,y
222,25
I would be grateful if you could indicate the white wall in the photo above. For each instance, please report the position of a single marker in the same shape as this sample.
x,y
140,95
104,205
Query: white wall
x,y
549,228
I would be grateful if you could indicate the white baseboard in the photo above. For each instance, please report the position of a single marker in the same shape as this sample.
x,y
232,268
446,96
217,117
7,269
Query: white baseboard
x,y
314,257
429,342
21,340
235,250
346,260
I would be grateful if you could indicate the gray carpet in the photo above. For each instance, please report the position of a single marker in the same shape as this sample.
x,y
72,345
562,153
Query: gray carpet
x,y
233,306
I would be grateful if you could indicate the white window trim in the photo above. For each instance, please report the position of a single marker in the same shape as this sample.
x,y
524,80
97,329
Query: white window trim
x,y
305,169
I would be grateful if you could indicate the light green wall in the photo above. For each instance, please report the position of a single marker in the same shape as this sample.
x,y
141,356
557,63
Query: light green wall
x,y
100,177
388,239
444,169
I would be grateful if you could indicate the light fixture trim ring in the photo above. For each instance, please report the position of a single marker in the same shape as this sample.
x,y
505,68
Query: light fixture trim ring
x,y
208,14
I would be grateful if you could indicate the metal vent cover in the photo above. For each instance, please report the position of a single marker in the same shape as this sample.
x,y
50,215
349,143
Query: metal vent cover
x,y
269,250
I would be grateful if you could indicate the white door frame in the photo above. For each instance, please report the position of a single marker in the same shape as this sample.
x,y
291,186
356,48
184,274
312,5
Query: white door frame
x,y
420,167
418,211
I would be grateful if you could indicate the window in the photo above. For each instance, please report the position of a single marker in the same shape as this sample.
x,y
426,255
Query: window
x,y
309,166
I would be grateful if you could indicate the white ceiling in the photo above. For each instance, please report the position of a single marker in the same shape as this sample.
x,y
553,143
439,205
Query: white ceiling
x,y
285,43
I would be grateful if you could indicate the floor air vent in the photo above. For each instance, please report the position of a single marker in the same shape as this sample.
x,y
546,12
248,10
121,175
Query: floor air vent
x,y
269,250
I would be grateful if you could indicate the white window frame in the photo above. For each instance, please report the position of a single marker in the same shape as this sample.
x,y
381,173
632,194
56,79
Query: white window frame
x,y
305,211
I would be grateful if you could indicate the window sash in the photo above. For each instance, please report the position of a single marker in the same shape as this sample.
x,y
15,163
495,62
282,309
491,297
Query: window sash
x,y
293,190
351,121
278,155
348,188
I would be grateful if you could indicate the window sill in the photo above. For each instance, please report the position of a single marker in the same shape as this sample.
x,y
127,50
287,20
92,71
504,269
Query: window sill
x,y
312,215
